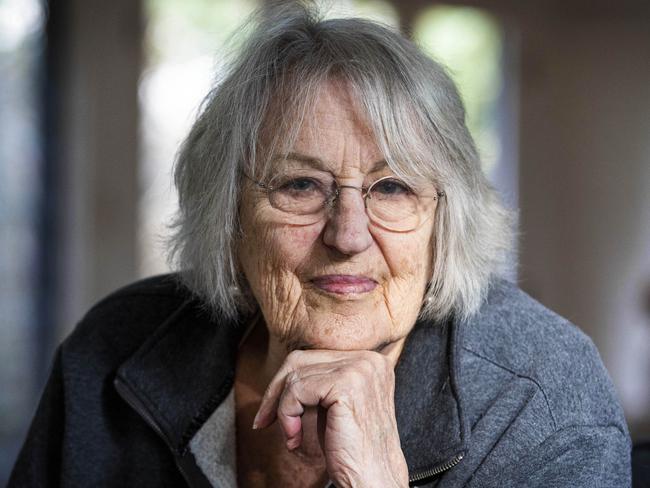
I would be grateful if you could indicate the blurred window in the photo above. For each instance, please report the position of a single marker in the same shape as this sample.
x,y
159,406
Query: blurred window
x,y
184,52
471,44
21,44
467,41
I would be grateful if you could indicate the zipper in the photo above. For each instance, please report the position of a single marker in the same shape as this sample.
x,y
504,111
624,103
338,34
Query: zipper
x,y
441,468
134,402
429,473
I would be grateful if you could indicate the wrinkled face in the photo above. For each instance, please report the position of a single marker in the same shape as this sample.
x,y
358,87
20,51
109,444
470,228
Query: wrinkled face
x,y
340,282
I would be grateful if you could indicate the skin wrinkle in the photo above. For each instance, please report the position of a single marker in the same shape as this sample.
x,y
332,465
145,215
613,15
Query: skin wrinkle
x,y
279,259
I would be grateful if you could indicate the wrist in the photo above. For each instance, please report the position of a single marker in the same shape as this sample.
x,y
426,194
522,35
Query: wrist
x,y
394,475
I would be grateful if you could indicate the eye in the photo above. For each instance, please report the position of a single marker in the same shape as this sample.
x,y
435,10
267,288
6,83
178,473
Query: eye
x,y
391,187
299,186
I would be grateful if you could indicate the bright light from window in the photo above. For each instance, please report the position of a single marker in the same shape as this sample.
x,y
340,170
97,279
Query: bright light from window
x,y
18,20
468,42
184,46
21,47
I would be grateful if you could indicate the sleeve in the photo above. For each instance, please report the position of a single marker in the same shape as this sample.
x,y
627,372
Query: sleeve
x,y
583,456
39,460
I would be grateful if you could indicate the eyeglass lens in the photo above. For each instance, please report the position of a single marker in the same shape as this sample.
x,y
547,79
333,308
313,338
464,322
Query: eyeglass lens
x,y
390,202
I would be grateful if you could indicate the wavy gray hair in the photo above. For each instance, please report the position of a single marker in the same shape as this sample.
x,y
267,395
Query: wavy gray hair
x,y
418,121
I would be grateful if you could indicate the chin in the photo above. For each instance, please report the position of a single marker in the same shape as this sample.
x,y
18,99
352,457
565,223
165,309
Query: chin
x,y
336,331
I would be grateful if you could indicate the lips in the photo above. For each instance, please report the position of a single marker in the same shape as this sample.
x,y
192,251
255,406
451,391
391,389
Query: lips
x,y
344,284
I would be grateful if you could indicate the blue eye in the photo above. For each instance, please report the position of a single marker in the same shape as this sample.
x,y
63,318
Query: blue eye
x,y
391,187
299,185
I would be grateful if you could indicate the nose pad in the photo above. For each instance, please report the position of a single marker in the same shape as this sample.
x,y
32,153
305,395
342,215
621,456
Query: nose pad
x,y
347,229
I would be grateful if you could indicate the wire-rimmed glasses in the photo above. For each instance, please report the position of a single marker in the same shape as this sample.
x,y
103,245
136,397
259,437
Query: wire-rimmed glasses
x,y
306,197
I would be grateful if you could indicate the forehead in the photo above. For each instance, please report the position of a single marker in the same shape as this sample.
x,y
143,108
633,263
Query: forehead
x,y
335,132
335,108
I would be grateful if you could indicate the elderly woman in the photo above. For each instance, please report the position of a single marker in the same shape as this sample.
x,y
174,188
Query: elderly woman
x,y
339,317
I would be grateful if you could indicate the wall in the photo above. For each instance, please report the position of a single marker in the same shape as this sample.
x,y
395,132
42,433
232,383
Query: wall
x,y
584,181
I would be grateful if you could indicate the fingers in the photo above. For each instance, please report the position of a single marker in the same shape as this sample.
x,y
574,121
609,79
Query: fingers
x,y
310,387
310,379
266,412
392,351
295,360
353,392
297,394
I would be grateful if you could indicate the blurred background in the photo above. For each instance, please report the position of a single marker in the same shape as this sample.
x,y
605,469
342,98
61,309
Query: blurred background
x,y
95,97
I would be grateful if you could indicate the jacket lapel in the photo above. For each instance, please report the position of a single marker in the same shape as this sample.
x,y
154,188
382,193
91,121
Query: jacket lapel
x,y
181,374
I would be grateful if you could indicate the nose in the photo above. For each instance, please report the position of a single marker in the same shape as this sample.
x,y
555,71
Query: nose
x,y
346,229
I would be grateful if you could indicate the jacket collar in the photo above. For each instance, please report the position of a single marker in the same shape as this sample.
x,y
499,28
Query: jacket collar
x,y
185,370
181,373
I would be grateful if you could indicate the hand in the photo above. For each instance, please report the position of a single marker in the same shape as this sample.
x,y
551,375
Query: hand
x,y
357,426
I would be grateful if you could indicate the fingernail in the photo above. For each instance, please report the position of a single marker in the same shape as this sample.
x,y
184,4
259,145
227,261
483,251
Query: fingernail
x,y
255,421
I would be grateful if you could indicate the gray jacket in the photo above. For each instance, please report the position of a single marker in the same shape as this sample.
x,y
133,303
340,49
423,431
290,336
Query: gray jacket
x,y
141,395
523,397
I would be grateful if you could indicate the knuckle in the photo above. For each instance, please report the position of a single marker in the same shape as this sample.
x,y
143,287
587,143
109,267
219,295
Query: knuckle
x,y
385,365
346,399
380,363
378,358
292,379
368,364
355,376
295,356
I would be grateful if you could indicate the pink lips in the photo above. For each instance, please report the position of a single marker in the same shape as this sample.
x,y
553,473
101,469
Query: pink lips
x,y
343,284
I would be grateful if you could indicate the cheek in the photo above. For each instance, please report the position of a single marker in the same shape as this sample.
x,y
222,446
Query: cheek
x,y
269,258
408,256
268,244
298,240
287,247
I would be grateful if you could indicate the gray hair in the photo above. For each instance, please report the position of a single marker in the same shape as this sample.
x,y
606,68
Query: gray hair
x,y
416,116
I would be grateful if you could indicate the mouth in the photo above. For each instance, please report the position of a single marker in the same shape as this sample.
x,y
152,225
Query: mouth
x,y
344,284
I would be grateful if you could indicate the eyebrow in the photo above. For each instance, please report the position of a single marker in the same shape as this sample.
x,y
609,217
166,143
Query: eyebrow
x,y
317,163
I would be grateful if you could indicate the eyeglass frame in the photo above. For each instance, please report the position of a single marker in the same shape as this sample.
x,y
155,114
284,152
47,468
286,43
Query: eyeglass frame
x,y
365,192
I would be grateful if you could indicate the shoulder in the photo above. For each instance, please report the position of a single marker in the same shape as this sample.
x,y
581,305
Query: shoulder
x,y
118,324
82,422
514,336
